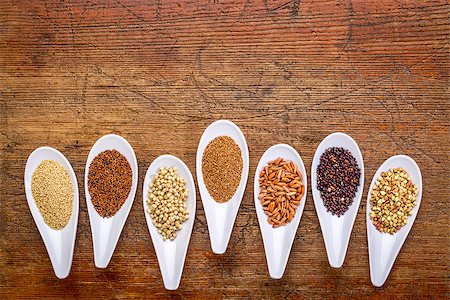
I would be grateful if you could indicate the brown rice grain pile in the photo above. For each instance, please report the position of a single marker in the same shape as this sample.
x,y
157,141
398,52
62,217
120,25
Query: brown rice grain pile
x,y
222,168
282,189
53,192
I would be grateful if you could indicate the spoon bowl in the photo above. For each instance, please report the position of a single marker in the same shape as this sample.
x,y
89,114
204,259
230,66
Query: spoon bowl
x,y
220,217
278,241
171,254
59,243
337,230
106,231
384,247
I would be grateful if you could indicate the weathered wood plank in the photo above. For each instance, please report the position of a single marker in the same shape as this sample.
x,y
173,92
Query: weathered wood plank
x,y
158,72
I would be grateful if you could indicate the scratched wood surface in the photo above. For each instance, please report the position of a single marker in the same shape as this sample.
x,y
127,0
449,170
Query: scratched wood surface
x,y
158,72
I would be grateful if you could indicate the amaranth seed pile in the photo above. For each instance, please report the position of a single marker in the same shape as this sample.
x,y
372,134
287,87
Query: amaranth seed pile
x,y
338,177
109,182
53,192
222,168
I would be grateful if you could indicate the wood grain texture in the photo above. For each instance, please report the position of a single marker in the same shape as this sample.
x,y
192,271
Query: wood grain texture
x,y
158,72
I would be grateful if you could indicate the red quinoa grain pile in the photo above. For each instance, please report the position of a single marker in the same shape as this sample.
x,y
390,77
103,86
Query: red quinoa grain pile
x,y
109,182
222,168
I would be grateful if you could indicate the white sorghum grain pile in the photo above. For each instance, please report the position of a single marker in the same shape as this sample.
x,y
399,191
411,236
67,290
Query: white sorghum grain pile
x,y
393,198
222,168
53,193
167,202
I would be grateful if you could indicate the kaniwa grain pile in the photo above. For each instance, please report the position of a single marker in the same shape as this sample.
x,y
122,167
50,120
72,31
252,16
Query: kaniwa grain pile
x,y
109,182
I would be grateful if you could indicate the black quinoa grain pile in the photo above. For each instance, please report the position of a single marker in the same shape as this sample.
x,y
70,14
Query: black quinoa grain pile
x,y
337,179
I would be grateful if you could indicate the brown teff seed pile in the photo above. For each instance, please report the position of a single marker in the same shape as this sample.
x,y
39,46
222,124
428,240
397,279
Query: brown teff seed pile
x,y
392,201
167,202
109,182
53,193
281,191
222,168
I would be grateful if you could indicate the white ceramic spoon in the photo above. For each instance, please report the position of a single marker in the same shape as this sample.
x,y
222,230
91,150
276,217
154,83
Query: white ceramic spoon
x,y
383,247
221,216
171,254
106,231
278,241
59,243
336,231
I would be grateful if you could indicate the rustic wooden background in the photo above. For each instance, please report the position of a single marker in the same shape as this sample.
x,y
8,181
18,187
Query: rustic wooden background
x,y
158,72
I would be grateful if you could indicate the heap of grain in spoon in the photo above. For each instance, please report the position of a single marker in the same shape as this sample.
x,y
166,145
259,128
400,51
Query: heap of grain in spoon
x,y
222,168
53,193
282,189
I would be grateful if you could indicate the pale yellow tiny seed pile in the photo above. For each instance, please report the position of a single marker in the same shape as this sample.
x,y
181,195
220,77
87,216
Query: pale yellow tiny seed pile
x,y
393,199
167,202
53,193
